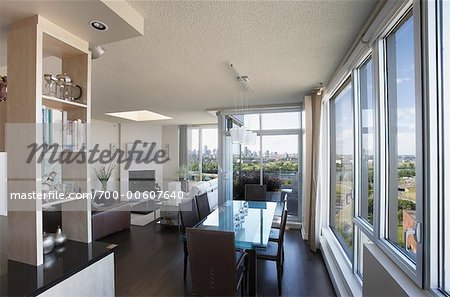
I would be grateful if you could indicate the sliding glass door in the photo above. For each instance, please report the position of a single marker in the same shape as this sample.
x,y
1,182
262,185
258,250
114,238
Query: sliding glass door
x,y
280,164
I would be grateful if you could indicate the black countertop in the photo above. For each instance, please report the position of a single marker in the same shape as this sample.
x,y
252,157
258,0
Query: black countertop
x,y
19,279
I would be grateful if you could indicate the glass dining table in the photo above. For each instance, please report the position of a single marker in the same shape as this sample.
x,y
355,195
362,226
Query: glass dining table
x,y
250,221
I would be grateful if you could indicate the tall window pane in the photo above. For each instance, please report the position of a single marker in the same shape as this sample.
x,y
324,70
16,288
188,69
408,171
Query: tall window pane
x,y
402,135
203,163
280,168
341,213
246,167
367,114
273,159
193,154
209,153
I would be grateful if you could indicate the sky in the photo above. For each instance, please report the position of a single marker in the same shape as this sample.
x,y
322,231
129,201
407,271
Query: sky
x,y
405,89
403,39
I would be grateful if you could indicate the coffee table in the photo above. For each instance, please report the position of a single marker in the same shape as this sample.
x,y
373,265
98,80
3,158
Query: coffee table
x,y
144,213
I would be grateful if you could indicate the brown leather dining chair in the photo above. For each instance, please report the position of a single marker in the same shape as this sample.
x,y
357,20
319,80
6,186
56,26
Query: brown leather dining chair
x,y
275,252
255,192
189,218
203,205
275,233
216,268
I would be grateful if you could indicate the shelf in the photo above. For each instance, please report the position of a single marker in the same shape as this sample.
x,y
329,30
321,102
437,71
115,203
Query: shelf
x,y
58,202
56,103
58,48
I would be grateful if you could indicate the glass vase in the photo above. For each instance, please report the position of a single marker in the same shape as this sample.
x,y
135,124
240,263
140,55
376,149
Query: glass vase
x,y
104,185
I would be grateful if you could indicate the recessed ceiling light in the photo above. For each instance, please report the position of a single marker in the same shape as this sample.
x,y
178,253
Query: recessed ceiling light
x,y
99,25
139,115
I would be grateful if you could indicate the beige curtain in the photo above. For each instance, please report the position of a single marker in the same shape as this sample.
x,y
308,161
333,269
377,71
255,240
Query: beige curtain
x,y
313,106
183,146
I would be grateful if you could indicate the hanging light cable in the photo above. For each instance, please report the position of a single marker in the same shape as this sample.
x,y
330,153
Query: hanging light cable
x,y
241,134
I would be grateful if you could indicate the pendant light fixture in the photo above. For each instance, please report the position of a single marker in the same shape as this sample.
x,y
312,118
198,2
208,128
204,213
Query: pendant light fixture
x,y
242,135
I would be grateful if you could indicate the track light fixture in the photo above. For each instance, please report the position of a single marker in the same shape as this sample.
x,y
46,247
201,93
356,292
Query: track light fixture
x,y
319,90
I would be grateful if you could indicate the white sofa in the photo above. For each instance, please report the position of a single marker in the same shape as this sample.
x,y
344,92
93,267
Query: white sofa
x,y
211,187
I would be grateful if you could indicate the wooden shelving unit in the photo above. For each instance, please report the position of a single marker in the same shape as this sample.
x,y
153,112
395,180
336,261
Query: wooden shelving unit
x,y
60,104
29,42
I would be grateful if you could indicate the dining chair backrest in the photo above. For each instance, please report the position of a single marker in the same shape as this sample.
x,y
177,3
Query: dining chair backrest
x,y
212,262
282,230
203,205
255,192
188,214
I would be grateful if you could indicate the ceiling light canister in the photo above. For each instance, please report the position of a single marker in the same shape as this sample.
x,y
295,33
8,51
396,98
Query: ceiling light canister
x,y
99,25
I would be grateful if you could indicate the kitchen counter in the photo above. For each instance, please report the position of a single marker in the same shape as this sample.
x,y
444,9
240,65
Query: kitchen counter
x,y
19,279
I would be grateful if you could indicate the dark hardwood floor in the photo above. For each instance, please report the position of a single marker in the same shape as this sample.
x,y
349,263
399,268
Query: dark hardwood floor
x,y
149,262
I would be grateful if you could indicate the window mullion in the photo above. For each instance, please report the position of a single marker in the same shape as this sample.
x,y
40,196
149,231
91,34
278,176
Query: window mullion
x,y
356,164
200,154
381,187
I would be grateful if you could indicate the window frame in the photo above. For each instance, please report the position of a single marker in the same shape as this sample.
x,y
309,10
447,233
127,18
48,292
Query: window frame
x,y
412,269
440,160
228,117
350,255
281,132
360,222
376,50
200,129
362,226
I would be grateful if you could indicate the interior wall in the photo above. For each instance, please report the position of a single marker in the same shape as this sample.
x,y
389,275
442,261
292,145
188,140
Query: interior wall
x,y
170,137
105,134
3,183
379,269
146,133
2,115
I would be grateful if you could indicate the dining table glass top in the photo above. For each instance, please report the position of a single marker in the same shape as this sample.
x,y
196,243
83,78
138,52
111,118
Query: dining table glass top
x,y
251,222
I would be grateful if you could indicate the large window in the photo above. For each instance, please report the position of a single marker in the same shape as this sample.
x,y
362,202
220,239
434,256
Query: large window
x,y
376,162
403,138
341,205
401,90
273,159
202,153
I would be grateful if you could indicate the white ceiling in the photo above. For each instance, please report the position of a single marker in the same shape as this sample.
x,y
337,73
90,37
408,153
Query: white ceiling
x,y
179,68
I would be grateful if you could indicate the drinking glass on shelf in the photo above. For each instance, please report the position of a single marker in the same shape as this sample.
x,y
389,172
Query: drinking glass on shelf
x,y
246,208
50,85
237,222
61,89
242,214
